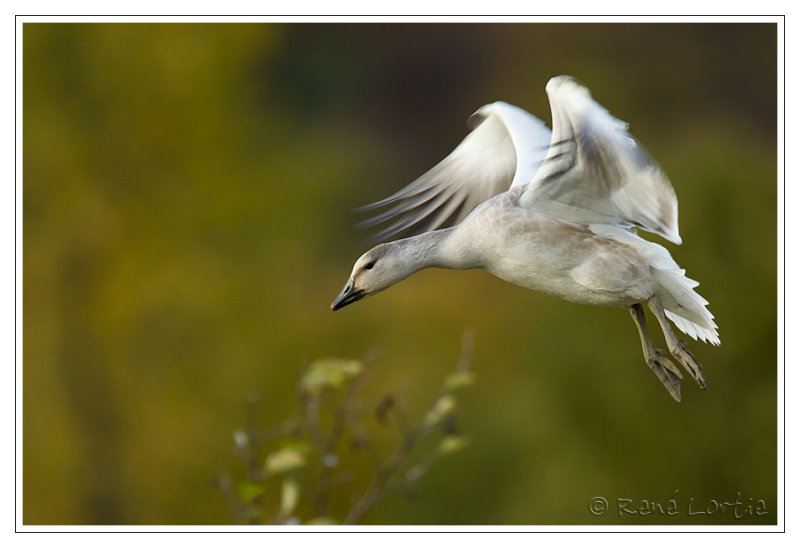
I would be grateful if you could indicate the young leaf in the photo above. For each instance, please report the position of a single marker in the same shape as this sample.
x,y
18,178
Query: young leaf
x,y
322,520
248,491
450,444
459,379
329,373
443,406
284,460
290,494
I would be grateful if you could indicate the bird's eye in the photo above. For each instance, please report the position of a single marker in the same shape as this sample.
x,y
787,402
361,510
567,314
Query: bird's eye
x,y
369,266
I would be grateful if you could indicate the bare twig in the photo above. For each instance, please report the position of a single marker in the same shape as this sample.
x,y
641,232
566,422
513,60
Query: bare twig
x,y
467,350
412,436
332,408
329,445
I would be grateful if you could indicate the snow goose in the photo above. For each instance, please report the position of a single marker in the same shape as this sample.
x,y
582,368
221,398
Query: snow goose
x,y
555,212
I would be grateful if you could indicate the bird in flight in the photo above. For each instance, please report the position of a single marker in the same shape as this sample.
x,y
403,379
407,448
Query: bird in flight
x,y
554,211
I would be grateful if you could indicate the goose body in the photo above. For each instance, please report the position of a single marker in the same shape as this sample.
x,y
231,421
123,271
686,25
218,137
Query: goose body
x,y
554,212
566,260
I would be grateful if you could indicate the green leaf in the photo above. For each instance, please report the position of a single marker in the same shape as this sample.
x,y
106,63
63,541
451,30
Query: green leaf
x,y
290,494
329,373
249,491
240,438
443,407
285,460
459,379
322,520
451,444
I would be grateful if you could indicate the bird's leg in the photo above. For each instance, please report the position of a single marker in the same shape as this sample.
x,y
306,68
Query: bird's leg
x,y
669,375
676,346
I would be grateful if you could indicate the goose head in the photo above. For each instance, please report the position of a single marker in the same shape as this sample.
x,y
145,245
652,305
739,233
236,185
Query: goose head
x,y
374,271
386,264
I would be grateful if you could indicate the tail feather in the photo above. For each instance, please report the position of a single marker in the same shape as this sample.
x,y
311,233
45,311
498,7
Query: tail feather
x,y
684,306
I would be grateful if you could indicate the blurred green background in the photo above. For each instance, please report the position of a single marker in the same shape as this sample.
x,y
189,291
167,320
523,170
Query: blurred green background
x,y
187,208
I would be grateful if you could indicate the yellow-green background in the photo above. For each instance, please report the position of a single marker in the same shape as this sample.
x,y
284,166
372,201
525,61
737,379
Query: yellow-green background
x,y
187,201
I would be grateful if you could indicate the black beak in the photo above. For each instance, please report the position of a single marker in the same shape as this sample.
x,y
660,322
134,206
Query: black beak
x,y
349,294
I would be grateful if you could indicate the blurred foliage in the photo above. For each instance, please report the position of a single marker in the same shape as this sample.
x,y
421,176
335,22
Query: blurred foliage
x,y
186,199
313,463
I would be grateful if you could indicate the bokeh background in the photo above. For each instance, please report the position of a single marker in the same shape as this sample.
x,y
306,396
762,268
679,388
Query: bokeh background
x,y
188,193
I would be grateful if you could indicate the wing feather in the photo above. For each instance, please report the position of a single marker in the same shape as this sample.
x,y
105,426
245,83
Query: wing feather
x,y
596,172
506,148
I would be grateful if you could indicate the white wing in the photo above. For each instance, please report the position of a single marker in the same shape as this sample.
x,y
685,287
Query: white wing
x,y
506,148
596,172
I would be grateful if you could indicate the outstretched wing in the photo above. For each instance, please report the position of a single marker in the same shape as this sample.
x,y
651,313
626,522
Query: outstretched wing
x,y
506,147
596,172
